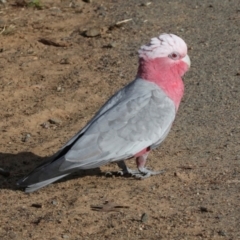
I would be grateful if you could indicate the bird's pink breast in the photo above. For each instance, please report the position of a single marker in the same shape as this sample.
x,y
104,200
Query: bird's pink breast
x,y
166,75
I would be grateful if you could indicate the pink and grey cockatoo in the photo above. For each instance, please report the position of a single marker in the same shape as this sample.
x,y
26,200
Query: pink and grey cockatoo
x,y
133,121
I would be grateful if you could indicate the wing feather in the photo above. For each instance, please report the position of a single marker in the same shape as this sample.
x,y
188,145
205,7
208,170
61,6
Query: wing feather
x,y
137,117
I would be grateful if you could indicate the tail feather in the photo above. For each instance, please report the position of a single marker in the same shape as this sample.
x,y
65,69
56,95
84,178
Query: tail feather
x,y
43,175
36,186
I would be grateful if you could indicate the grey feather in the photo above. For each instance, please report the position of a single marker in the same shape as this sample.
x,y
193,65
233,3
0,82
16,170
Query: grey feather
x,y
138,116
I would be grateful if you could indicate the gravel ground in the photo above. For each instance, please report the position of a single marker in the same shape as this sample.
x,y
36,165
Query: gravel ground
x,y
60,60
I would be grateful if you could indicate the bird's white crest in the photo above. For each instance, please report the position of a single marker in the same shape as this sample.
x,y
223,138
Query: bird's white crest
x,y
162,46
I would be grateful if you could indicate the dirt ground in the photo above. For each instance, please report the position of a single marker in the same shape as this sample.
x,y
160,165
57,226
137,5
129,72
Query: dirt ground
x,y
60,63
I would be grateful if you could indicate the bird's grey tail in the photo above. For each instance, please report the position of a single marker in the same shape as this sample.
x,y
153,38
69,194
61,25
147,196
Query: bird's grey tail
x,y
43,175
49,171
33,187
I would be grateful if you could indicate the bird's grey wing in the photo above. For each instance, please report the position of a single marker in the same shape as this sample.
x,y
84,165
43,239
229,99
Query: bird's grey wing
x,y
135,122
109,104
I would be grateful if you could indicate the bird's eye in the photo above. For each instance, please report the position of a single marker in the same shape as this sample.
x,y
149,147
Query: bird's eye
x,y
174,56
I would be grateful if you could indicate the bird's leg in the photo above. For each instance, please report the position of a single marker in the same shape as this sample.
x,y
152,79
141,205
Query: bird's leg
x,y
125,170
144,172
141,172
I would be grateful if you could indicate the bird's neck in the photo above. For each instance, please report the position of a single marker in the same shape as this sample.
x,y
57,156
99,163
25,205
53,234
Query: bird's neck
x,y
166,76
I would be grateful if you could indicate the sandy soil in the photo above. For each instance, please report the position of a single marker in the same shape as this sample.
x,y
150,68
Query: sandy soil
x,y
48,92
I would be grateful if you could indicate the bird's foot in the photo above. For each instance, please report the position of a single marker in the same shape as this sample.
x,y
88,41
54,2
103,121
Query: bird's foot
x,y
139,173
123,172
128,171
145,173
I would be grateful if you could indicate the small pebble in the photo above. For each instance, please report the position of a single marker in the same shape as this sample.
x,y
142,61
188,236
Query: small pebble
x,y
26,137
54,121
45,125
54,202
144,218
92,32
203,209
64,61
59,89
30,51
36,205
65,236
110,45
146,4
222,233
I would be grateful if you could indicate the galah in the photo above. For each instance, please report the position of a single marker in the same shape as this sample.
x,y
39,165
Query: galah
x,y
133,121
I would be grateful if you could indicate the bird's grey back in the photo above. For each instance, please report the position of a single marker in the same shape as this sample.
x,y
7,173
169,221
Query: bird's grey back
x,y
138,116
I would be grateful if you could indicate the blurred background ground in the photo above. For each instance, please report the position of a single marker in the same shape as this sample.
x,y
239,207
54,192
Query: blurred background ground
x,y
60,60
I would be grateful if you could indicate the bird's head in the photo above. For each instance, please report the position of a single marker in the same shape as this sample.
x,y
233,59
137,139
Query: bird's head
x,y
164,61
167,52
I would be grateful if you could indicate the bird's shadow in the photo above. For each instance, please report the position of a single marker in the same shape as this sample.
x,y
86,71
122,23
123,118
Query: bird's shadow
x,y
15,166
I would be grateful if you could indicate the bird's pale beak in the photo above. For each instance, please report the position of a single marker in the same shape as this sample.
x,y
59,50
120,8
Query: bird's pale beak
x,y
186,59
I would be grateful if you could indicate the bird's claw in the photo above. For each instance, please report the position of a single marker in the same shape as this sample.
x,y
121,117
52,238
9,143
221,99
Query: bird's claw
x,y
109,174
140,173
129,171
145,173
122,172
